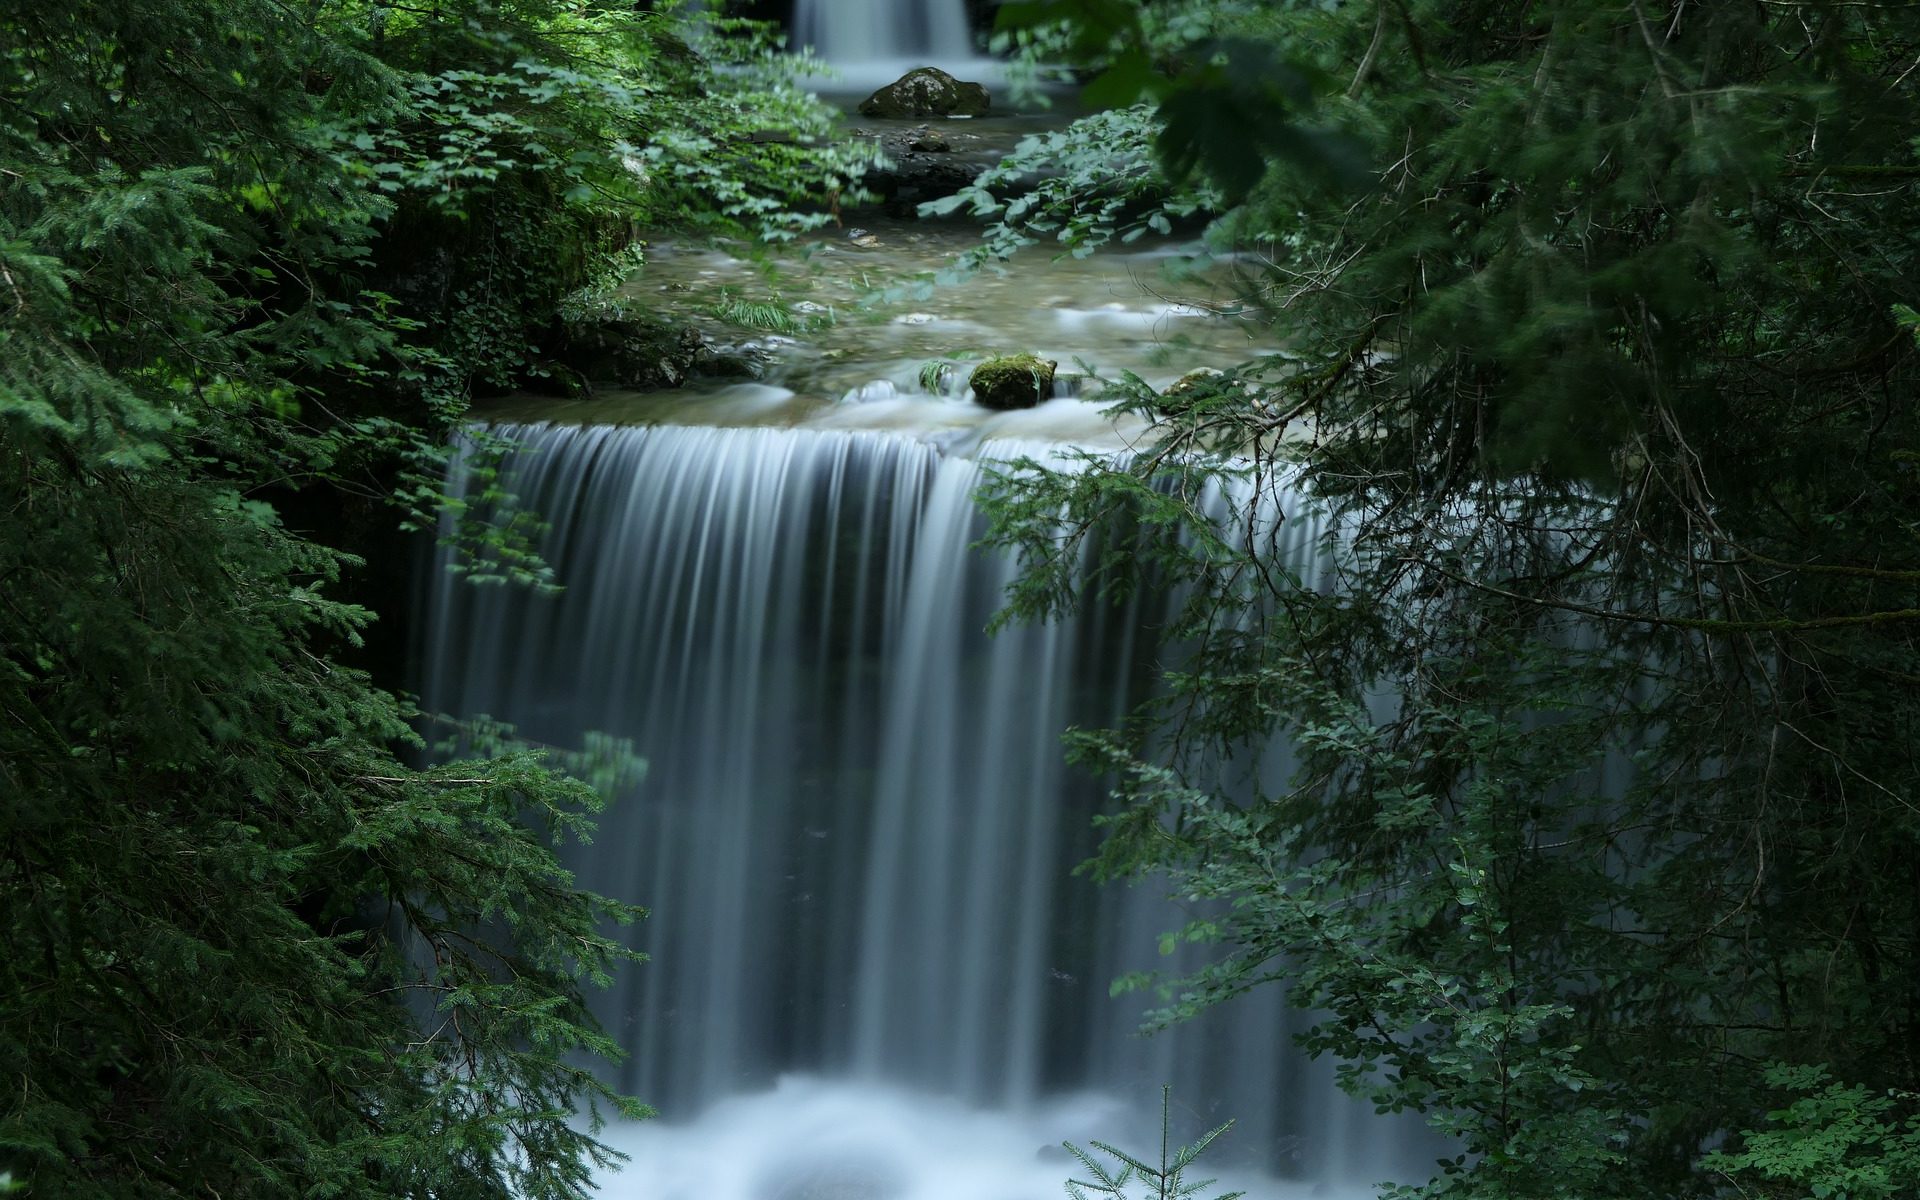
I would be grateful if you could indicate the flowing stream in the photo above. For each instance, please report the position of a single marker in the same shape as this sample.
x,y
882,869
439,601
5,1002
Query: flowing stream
x,y
1158,310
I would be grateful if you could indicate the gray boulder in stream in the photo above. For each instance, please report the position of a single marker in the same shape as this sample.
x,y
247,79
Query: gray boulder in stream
x,y
926,92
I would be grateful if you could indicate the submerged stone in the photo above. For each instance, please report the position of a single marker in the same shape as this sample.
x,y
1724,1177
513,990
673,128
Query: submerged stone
x,y
927,92
928,140
1016,381
923,163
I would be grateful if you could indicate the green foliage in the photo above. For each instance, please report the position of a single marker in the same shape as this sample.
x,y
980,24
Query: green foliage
x,y
1538,703
1832,1142
1165,1181
502,549
1103,185
609,765
253,259
247,948
1195,102
770,315
937,375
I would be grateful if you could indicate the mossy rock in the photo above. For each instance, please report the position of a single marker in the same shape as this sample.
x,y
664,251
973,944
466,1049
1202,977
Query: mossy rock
x,y
1015,381
927,92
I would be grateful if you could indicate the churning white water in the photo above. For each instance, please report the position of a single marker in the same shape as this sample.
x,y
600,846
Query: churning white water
x,y
869,954
811,1139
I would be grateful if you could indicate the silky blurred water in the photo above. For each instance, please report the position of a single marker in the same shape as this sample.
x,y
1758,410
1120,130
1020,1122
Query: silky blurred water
x,y
858,831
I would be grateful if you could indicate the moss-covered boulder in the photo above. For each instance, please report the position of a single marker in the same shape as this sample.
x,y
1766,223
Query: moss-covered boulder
x,y
1016,381
927,92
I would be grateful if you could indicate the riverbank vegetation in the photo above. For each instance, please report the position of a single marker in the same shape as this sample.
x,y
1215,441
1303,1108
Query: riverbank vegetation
x,y
254,258
1601,848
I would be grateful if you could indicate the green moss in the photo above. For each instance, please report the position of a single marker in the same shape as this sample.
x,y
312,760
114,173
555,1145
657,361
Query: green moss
x,y
1013,381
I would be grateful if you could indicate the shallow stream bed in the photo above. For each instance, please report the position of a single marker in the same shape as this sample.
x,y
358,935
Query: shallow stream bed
x,y
870,319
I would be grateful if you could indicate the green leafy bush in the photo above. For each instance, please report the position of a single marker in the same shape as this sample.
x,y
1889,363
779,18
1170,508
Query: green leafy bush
x,y
1831,1142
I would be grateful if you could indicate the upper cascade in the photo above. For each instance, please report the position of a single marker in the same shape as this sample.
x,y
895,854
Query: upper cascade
x,y
849,32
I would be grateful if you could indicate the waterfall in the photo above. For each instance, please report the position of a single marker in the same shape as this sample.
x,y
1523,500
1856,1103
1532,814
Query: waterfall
x,y
845,32
857,831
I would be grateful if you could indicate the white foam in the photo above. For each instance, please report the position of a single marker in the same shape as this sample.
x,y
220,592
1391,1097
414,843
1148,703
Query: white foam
x,y
810,1137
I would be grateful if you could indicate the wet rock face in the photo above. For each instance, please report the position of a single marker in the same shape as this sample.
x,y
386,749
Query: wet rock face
x,y
743,360
1016,381
629,352
926,92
